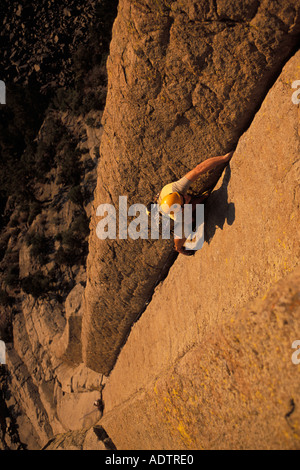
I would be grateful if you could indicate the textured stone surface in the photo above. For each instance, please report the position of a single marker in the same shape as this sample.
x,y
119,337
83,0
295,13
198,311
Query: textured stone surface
x,y
68,347
76,410
78,440
72,440
92,442
54,396
184,83
237,390
50,388
41,39
224,373
47,46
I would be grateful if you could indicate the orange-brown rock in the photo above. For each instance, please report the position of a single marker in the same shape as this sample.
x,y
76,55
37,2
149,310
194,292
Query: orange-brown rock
x,y
185,81
209,364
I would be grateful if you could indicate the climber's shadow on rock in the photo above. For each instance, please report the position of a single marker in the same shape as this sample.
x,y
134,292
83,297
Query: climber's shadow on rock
x,y
217,209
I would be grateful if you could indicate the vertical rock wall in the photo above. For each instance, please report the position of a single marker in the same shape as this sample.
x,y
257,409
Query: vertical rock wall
x,y
185,80
209,364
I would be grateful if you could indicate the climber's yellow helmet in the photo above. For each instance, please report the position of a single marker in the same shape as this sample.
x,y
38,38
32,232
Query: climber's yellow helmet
x,y
174,200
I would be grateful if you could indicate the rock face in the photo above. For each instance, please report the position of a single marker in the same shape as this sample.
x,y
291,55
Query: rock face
x,y
93,439
185,81
237,389
50,390
209,364
53,67
68,346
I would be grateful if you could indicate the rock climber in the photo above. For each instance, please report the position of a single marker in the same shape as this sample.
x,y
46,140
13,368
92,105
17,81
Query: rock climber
x,y
174,195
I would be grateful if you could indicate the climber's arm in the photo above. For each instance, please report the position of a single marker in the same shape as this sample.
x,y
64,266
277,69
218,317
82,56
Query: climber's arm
x,y
207,165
